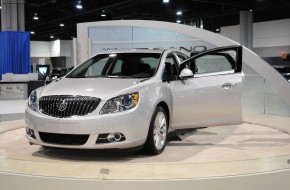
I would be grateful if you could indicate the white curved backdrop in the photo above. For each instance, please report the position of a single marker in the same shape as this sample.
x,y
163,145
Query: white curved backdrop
x,y
265,90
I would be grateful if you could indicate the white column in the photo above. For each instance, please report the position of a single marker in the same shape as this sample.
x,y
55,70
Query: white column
x,y
12,15
246,28
74,55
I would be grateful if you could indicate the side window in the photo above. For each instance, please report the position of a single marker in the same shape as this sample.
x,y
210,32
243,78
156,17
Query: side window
x,y
215,62
170,65
212,63
170,69
218,61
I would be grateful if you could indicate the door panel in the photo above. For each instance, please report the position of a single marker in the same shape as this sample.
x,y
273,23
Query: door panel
x,y
205,101
211,97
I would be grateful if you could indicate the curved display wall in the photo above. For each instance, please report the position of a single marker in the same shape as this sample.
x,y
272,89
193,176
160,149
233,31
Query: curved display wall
x,y
265,90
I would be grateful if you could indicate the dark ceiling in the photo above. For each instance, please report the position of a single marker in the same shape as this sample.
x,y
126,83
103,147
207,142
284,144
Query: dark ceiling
x,y
214,13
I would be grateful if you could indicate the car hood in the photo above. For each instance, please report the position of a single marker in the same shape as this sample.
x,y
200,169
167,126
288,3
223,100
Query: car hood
x,y
103,88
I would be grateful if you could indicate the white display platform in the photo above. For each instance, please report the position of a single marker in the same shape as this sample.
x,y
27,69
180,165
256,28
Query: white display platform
x,y
248,157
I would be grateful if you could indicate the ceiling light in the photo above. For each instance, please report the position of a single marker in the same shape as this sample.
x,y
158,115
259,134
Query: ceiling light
x,y
178,21
165,1
32,32
79,5
103,13
179,13
61,25
51,37
35,17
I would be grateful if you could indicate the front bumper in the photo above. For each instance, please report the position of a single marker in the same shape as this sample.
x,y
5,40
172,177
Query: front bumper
x,y
132,124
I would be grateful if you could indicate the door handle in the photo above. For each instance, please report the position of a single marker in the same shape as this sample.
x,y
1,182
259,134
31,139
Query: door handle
x,y
227,86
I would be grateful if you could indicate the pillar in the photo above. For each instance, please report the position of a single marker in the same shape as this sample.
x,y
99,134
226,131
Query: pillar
x,y
12,15
246,29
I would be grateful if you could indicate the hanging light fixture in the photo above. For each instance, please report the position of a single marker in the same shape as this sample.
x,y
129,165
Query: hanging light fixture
x,y
61,25
79,5
32,32
35,16
165,1
51,37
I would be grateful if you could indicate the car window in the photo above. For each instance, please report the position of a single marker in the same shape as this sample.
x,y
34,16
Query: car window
x,y
170,68
152,62
96,69
120,65
212,63
117,67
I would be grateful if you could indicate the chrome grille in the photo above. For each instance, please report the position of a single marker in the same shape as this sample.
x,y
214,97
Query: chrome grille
x,y
63,106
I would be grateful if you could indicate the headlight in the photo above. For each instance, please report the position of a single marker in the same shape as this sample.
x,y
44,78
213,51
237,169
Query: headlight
x,y
32,100
120,103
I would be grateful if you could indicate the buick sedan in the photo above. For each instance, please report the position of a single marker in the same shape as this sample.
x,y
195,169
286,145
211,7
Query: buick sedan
x,y
134,98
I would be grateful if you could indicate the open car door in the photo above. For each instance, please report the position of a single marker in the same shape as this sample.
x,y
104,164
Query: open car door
x,y
208,91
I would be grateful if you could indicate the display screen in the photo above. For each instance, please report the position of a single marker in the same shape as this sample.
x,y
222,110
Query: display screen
x,y
43,69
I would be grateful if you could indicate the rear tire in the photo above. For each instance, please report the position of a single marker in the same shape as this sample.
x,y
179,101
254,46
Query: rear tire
x,y
157,134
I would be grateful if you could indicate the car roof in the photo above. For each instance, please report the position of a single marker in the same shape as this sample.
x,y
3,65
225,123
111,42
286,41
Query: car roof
x,y
136,50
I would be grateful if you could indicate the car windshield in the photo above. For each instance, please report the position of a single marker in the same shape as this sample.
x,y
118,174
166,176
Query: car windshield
x,y
118,65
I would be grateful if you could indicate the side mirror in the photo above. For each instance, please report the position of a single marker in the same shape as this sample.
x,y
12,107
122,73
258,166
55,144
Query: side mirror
x,y
186,73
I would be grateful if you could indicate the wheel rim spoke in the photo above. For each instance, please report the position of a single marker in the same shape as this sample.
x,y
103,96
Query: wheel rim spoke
x,y
163,130
162,138
159,131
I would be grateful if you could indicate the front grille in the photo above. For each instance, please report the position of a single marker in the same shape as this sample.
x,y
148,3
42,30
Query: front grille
x,y
63,139
63,106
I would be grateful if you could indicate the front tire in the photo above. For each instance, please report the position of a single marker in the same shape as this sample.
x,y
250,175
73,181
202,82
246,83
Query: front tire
x,y
157,134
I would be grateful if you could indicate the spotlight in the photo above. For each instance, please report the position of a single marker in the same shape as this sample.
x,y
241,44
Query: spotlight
x,y
165,1
103,14
51,37
35,17
32,32
79,5
179,13
61,25
178,21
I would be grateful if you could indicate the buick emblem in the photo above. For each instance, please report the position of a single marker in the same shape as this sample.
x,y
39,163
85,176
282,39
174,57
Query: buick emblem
x,y
62,105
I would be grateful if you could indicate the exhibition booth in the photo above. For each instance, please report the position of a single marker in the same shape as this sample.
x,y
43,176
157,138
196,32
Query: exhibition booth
x,y
254,155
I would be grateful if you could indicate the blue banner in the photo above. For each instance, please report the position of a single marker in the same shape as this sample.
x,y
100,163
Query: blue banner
x,y
14,52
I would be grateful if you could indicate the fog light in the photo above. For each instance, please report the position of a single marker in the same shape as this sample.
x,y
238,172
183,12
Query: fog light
x,y
114,137
30,133
110,138
117,136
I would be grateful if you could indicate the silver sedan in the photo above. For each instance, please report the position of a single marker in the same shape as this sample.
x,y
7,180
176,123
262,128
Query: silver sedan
x,y
134,98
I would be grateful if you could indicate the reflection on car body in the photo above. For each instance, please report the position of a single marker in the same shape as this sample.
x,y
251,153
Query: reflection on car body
x,y
133,98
